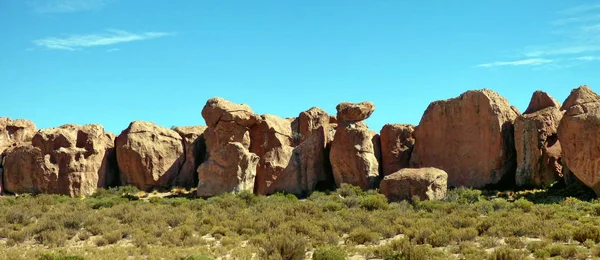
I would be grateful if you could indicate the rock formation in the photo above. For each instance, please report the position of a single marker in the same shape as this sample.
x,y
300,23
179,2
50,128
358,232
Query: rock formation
x,y
13,133
536,142
579,136
425,183
227,141
71,160
469,137
149,156
396,147
355,150
194,148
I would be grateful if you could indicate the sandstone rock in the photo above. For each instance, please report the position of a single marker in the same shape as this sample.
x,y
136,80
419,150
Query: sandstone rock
x,y
70,160
541,100
13,132
231,169
311,121
426,183
194,147
469,137
396,147
579,96
354,149
536,142
149,156
354,111
579,136
227,122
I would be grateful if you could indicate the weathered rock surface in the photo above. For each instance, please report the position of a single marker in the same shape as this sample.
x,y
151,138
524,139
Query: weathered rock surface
x,y
355,149
469,137
536,142
231,169
579,136
227,122
149,156
396,147
354,111
15,131
71,160
426,183
194,147
312,120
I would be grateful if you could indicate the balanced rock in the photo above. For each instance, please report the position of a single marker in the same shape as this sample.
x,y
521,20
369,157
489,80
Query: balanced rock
x,y
579,136
425,183
354,154
231,169
536,142
396,147
227,122
70,160
149,156
469,137
194,148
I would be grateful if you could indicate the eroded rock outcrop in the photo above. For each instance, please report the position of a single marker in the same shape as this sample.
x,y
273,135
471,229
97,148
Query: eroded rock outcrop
x,y
149,156
536,142
227,140
194,148
396,147
71,160
579,136
469,137
355,149
425,183
13,133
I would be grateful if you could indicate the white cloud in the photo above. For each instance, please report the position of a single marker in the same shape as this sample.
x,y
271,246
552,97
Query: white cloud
x,y
565,50
113,50
577,19
66,6
587,58
530,62
76,42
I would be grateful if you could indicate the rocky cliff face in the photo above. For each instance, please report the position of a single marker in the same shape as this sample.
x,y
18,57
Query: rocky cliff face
x,y
474,140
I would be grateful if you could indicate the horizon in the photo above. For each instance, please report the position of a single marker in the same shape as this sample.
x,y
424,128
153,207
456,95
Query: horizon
x,y
111,62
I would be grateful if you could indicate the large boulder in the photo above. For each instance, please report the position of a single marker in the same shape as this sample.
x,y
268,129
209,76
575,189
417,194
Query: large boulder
x,y
231,169
149,156
355,149
71,160
579,136
15,131
194,148
425,183
227,122
536,142
292,153
469,137
396,147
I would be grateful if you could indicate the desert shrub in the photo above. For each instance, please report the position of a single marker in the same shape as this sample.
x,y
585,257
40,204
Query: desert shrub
x,y
562,234
198,257
347,190
588,243
463,196
55,256
585,232
284,244
489,242
374,202
362,236
505,253
440,238
536,245
541,254
523,204
515,242
464,234
329,253
113,237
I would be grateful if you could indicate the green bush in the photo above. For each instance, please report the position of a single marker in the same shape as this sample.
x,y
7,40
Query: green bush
x,y
505,253
54,256
198,257
362,236
284,244
585,232
329,253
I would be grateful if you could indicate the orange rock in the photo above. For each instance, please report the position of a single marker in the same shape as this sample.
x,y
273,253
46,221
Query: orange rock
x,y
469,137
149,156
70,160
355,149
579,135
194,147
425,183
536,142
396,147
231,169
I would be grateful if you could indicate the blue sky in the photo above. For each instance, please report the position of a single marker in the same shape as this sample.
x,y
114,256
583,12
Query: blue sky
x,y
115,61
